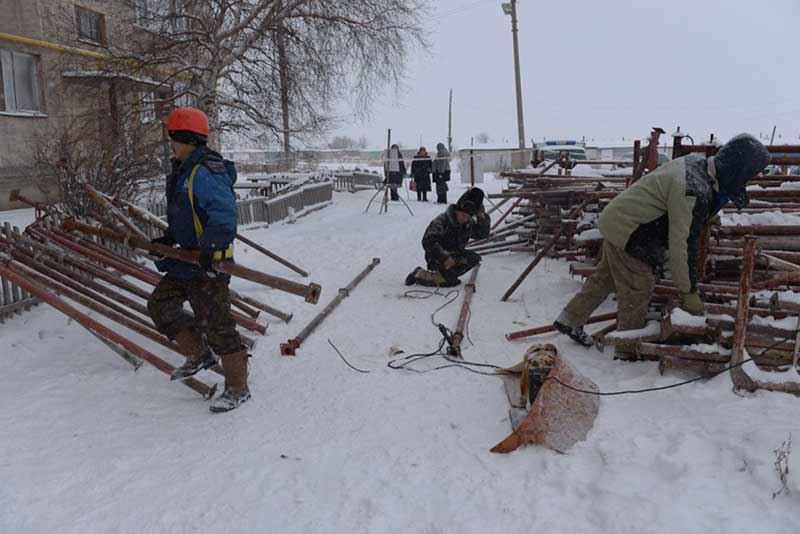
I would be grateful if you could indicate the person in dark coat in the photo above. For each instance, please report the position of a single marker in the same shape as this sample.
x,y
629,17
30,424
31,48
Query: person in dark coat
x,y
445,240
441,173
421,173
395,170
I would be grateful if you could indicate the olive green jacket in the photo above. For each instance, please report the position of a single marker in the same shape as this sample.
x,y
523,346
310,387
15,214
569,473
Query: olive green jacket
x,y
665,209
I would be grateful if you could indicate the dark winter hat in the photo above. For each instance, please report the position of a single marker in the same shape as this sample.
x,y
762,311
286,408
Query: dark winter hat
x,y
471,201
188,138
738,161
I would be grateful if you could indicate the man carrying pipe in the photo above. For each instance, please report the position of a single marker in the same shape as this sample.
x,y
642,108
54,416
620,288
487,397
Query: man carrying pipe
x,y
665,210
201,213
445,239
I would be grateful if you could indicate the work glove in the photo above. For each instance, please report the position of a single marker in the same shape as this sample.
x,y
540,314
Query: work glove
x,y
716,220
448,263
690,302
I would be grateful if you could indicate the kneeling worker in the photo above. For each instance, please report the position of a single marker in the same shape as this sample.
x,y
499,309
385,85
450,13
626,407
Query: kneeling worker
x,y
665,210
445,239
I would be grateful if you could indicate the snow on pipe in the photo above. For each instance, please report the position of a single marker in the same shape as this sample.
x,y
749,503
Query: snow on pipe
x,y
289,348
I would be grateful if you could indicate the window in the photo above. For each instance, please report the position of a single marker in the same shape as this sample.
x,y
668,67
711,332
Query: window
x,y
183,96
147,107
20,82
91,25
161,15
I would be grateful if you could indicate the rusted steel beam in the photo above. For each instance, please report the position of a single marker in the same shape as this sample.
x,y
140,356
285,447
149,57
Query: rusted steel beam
x,y
73,283
738,375
310,292
138,273
114,211
777,280
286,317
463,316
506,214
530,332
271,255
289,348
780,230
99,329
545,249
657,349
80,264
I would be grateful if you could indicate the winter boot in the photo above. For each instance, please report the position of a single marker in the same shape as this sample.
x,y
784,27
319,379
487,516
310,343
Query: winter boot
x,y
575,333
411,279
428,278
199,356
236,390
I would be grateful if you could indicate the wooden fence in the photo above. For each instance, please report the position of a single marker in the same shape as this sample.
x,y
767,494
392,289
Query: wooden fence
x,y
13,299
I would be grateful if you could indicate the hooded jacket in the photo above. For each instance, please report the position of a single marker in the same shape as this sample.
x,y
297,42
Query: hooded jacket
x,y
445,236
214,202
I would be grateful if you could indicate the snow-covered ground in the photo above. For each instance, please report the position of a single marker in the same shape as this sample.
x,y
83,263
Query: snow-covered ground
x,y
89,446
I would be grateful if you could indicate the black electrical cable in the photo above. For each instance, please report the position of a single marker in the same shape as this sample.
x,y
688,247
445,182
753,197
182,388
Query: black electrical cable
x,y
345,361
677,384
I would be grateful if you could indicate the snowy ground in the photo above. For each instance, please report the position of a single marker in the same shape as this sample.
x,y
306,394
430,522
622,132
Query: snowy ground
x,y
91,447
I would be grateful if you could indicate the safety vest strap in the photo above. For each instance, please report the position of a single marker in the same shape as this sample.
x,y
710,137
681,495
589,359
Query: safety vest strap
x,y
198,227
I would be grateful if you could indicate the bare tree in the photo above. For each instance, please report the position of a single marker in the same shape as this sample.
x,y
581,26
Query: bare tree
x,y
81,152
363,143
272,67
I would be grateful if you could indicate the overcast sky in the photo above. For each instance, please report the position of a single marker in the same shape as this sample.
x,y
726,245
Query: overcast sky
x,y
603,69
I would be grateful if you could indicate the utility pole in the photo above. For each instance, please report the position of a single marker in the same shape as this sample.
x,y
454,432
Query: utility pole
x,y
283,67
511,9
450,124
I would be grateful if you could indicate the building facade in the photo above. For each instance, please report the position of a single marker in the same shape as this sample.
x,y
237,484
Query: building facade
x,y
56,72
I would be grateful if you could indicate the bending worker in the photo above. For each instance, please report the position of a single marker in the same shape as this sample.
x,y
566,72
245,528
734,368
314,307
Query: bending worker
x,y
665,210
445,239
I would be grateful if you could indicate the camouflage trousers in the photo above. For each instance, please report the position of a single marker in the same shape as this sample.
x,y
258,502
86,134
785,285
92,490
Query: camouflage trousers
x,y
211,303
618,272
465,260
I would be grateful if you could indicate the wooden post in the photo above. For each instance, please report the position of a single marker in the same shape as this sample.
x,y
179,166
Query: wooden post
x,y
739,377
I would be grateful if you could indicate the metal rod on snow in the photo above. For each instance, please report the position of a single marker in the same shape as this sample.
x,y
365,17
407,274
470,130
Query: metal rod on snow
x,y
573,214
463,316
134,270
530,332
288,348
99,329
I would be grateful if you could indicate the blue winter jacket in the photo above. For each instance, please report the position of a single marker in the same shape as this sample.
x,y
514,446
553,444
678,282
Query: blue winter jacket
x,y
214,202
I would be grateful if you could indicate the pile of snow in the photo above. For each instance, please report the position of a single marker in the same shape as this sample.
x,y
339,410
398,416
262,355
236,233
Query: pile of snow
x,y
768,218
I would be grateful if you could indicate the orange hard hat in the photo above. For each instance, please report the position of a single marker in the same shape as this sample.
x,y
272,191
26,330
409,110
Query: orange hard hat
x,y
188,119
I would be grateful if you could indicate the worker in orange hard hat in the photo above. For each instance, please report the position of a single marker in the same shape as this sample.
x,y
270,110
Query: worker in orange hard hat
x,y
201,216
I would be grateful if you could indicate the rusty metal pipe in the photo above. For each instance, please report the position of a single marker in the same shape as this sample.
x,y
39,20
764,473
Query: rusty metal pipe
x,y
99,329
530,332
461,324
286,317
289,348
545,249
310,292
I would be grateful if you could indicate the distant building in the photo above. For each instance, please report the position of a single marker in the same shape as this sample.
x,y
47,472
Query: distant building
x,y
53,71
